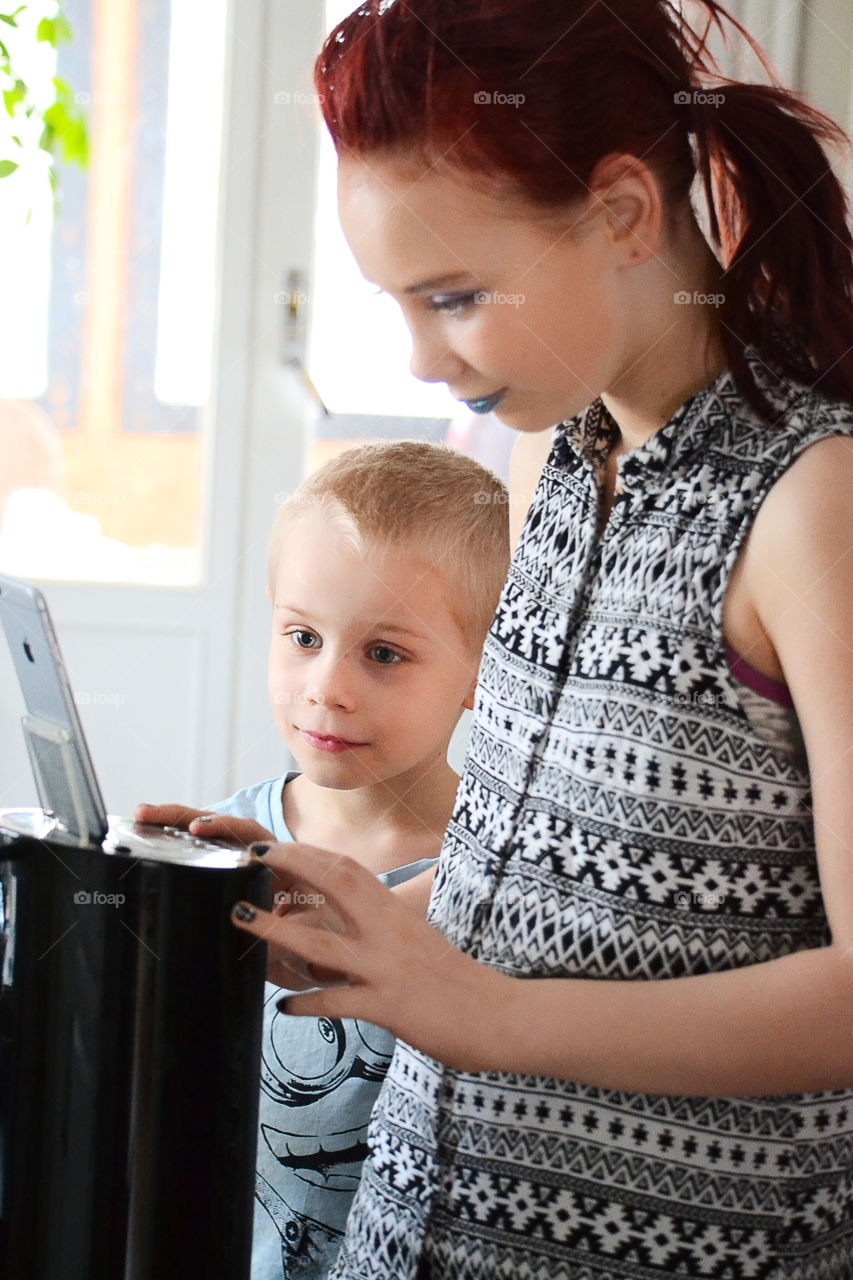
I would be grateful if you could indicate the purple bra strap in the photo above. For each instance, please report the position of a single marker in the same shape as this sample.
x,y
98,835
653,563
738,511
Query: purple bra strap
x,y
763,684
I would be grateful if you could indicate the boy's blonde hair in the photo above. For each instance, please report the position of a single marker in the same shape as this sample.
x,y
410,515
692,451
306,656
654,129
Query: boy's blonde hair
x,y
410,495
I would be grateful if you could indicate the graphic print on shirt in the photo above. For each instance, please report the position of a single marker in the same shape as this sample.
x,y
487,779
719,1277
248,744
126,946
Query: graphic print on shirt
x,y
308,1080
319,1081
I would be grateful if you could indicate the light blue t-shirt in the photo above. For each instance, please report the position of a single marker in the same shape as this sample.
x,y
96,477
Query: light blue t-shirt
x,y
319,1080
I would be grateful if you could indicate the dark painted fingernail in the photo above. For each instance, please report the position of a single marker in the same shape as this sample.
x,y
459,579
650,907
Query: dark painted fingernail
x,y
242,911
259,850
281,1005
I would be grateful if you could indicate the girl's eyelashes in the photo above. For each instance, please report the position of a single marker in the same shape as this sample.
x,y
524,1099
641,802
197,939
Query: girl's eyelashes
x,y
455,304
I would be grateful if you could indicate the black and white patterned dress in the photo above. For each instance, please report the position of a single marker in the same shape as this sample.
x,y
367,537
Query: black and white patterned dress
x,y
621,816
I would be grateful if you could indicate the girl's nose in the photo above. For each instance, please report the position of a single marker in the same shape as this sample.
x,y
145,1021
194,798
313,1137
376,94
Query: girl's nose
x,y
433,361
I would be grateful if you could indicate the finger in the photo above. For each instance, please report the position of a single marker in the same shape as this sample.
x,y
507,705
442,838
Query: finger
x,y
243,831
320,946
166,815
292,894
343,883
332,1002
287,970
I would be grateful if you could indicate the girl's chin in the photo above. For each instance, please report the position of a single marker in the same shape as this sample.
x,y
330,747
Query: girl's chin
x,y
530,421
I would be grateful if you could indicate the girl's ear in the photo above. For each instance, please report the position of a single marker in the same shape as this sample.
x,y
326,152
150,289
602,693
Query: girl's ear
x,y
630,196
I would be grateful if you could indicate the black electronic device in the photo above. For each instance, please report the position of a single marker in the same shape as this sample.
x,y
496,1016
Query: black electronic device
x,y
130,1018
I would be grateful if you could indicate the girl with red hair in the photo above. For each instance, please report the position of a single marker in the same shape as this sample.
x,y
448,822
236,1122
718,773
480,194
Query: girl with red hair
x,y
626,1024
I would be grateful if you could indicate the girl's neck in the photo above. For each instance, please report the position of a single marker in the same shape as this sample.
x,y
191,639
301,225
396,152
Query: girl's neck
x,y
685,353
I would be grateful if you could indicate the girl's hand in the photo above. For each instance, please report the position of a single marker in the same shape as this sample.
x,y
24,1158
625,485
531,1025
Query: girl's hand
x,y
336,927
203,823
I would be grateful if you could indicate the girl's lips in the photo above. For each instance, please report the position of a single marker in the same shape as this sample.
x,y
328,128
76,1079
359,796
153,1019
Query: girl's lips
x,y
327,742
485,404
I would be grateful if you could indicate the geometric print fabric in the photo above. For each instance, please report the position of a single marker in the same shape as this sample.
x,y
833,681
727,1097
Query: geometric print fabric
x,y
621,816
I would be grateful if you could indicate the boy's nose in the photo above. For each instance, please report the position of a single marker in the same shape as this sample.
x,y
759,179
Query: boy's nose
x,y
332,686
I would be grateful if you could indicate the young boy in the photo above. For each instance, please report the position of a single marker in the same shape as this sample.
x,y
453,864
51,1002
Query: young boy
x,y
384,570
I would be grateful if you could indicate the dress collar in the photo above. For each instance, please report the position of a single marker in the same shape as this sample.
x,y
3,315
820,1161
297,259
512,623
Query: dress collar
x,y
673,447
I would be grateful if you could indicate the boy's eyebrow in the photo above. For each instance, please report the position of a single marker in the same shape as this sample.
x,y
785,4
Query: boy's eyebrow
x,y
378,625
395,626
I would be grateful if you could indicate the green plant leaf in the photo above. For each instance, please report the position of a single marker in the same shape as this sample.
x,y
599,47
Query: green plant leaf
x,y
12,97
7,167
54,31
8,18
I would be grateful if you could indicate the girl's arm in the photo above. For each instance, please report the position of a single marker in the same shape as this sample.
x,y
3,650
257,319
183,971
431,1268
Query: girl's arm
x,y
782,1026
779,1026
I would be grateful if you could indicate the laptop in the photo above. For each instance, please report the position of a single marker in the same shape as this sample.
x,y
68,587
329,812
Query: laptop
x,y
72,807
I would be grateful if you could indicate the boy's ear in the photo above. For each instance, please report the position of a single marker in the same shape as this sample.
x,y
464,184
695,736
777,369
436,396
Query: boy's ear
x,y
468,704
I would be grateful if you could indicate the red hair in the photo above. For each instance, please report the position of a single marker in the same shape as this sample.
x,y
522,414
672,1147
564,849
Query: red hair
x,y
407,74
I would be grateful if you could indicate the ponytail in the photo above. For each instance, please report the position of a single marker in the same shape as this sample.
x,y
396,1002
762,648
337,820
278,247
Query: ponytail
x,y
581,82
779,221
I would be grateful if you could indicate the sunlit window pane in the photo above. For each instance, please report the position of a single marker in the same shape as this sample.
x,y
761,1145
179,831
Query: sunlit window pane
x,y
185,315
359,345
107,309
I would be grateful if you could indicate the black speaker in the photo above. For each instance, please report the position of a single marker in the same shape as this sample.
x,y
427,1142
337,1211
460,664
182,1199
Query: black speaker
x,y
130,1026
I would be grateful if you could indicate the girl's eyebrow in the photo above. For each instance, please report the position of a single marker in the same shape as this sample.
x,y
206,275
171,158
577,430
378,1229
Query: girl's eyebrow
x,y
438,282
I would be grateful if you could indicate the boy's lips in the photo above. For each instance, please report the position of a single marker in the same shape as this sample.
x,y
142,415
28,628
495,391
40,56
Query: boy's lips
x,y
328,741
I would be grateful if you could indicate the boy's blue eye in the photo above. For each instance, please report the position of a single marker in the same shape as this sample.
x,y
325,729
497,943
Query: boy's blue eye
x,y
304,639
384,656
454,304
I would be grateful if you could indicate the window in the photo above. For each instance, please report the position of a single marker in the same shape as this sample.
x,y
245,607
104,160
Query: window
x,y
108,307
